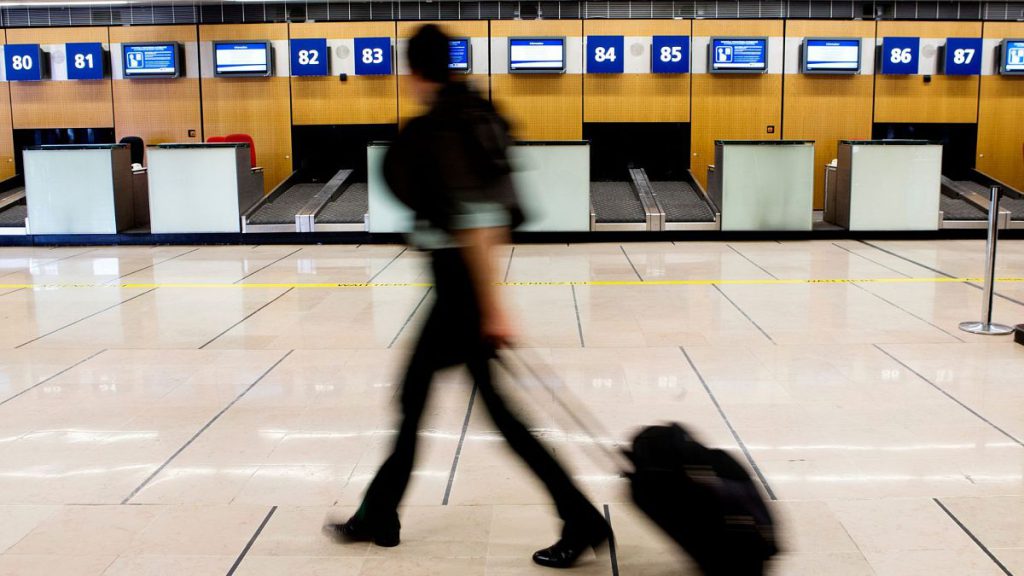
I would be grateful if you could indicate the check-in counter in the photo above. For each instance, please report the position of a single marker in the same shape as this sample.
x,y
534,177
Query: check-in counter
x,y
78,189
552,180
764,185
888,185
201,187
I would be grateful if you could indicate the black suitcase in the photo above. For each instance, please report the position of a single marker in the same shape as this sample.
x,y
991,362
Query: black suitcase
x,y
700,497
703,499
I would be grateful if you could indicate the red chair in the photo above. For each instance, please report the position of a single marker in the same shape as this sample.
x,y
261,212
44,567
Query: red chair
x,y
244,139
215,140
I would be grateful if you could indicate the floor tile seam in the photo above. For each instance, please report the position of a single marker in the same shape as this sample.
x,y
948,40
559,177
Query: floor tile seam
x,y
748,259
262,268
937,271
508,269
745,315
901,308
52,261
408,319
974,538
876,262
11,292
84,318
53,376
631,265
458,449
579,321
943,391
252,541
138,489
386,266
153,265
247,317
725,418
612,552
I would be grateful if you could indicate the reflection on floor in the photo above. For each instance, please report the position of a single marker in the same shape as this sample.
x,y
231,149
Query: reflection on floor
x,y
183,410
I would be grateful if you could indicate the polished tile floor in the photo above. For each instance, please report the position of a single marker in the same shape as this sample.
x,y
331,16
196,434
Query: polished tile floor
x,y
202,410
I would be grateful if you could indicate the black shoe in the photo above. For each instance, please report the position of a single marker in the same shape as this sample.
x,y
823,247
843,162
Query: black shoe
x,y
565,552
359,531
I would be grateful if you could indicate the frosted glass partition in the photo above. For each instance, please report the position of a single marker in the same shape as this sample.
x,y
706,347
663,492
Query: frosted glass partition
x,y
888,185
552,179
196,188
764,185
78,189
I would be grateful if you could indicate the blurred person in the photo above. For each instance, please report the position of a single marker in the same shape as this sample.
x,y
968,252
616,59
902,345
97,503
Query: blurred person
x,y
450,166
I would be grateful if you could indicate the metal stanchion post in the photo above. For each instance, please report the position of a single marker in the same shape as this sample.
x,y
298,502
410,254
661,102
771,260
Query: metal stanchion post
x,y
986,326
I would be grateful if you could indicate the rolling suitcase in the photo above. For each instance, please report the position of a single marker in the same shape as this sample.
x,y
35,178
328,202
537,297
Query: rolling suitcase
x,y
700,497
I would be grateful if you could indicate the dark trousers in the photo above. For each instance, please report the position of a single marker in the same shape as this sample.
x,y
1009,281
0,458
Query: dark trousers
x,y
452,336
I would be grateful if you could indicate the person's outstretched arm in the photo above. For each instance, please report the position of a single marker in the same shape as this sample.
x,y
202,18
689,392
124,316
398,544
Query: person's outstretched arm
x,y
477,245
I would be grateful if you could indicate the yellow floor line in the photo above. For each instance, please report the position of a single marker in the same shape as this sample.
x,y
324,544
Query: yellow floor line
x,y
334,285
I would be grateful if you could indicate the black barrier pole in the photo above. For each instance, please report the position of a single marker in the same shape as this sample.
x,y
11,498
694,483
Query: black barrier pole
x,y
988,292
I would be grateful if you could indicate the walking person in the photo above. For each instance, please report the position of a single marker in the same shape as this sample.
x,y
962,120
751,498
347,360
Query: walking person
x,y
450,166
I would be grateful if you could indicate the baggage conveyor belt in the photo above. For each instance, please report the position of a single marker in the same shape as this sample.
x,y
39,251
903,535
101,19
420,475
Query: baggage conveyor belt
x,y
350,207
682,203
283,208
958,209
1008,200
13,212
296,206
617,203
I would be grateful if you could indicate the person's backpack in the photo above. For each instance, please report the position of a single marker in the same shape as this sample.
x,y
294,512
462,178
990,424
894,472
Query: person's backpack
x,y
704,500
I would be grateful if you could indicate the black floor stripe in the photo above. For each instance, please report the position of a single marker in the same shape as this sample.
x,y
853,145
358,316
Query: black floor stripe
x,y
950,396
901,308
48,378
411,316
974,538
631,265
249,315
153,265
206,426
94,314
937,271
611,543
458,450
262,268
509,267
875,262
11,292
248,545
735,435
579,322
745,315
748,259
392,261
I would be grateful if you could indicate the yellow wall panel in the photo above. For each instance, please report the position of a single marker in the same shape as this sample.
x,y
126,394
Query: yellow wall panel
x,y
1001,117
259,107
358,100
6,127
636,97
61,104
827,108
945,99
158,110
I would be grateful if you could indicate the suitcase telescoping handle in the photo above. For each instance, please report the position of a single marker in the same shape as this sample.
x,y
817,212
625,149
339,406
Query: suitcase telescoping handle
x,y
582,418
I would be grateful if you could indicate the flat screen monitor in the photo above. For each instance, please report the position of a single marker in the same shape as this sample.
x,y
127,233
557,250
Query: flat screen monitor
x,y
831,56
251,58
151,60
738,55
536,55
460,55
1012,61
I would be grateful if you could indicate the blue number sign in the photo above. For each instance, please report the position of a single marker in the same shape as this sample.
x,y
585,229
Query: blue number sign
x,y
85,60
900,54
605,55
670,54
373,56
963,56
309,57
22,62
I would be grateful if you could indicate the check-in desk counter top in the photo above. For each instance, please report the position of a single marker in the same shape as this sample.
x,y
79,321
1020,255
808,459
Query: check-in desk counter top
x,y
78,188
764,185
197,188
888,185
552,179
